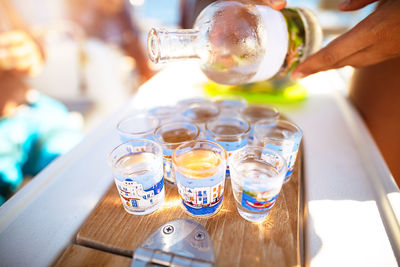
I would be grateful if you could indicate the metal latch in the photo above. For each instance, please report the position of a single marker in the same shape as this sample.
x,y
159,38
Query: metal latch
x,y
176,243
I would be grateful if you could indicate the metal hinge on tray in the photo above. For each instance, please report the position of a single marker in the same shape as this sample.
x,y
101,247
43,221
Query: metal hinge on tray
x,y
176,243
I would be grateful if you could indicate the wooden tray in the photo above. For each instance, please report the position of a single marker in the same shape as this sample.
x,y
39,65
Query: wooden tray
x,y
237,242
76,255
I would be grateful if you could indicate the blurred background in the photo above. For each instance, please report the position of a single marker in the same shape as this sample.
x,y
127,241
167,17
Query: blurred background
x,y
85,59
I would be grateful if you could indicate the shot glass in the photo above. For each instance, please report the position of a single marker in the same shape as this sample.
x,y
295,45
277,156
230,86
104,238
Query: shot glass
x,y
230,105
137,167
182,104
257,175
200,112
165,114
256,112
231,133
283,137
170,136
138,126
200,167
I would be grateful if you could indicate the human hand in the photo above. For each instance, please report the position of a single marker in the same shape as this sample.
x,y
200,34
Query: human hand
x,y
19,53
373,40
275,4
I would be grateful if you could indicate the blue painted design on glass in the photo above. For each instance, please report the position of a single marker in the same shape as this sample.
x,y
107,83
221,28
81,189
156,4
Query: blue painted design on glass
x,y
205,210
252,203
201,196
157,188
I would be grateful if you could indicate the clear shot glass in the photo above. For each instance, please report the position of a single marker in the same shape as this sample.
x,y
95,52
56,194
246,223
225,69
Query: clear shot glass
x,y
165,114
229,132
200,112
230,105
137,167
138,126
184,103
257,175
256,112
283,137
170,136
200,167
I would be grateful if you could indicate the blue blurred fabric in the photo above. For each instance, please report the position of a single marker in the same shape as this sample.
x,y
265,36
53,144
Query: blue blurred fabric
x,y
29,141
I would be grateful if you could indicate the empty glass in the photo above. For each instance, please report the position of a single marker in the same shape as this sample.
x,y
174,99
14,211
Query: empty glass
x,y
257,175
137,167
200,167
170,136
283,137
141,125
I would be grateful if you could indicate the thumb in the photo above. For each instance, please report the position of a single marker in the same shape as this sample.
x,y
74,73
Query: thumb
x,y
350,5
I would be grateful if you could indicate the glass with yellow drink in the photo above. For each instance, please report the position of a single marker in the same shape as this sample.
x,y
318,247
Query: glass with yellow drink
x,y
200,167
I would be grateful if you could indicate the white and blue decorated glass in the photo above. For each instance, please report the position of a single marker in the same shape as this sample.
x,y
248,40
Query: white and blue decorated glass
x,y
200,167
257,175
231,133
283,137
170,136
256,112
137,126
137,167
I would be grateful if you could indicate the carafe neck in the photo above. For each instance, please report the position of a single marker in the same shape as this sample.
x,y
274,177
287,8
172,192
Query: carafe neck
x,y
172,45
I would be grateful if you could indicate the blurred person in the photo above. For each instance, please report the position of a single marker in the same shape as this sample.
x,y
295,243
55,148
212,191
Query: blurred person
x,y
111,21
34,129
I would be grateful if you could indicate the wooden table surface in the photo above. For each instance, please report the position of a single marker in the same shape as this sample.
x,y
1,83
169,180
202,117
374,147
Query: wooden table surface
x,y
237,242
76,255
